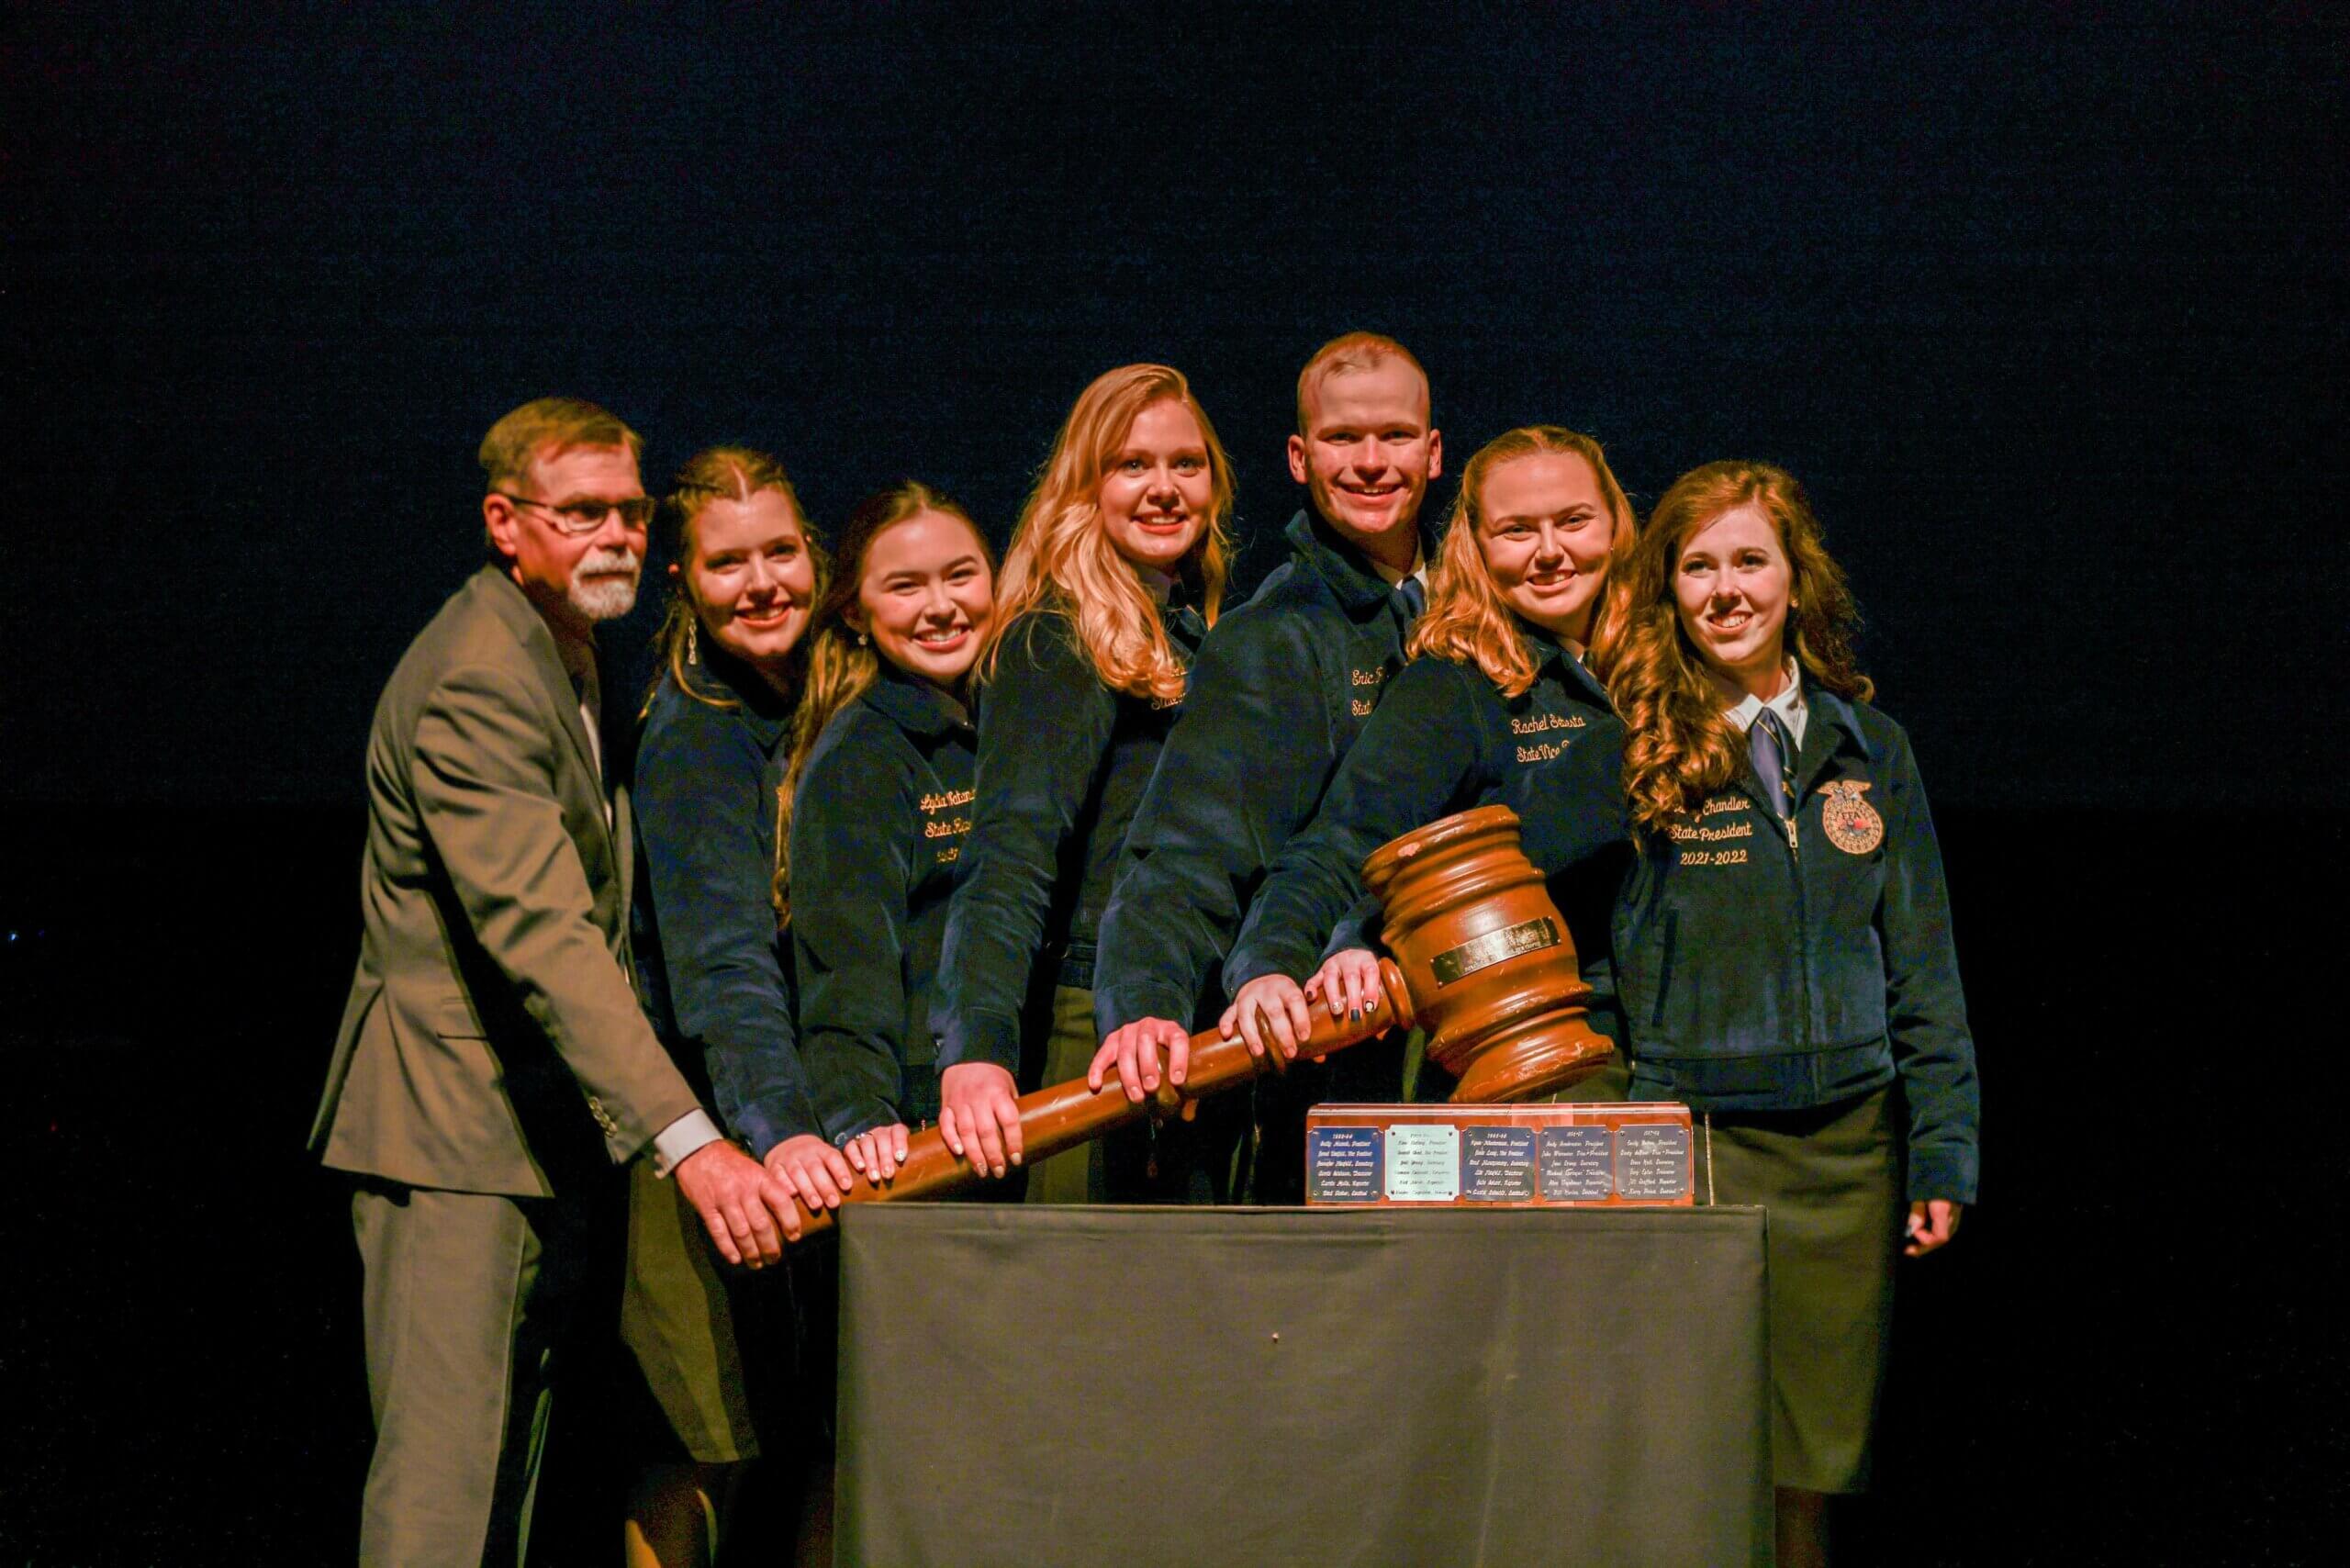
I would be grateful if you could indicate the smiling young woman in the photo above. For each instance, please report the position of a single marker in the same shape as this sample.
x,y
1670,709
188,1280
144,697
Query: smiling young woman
x,y
1114,573
879,805
1785,956
744,573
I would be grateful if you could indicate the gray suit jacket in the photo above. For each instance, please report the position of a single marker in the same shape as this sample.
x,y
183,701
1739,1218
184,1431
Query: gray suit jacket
x,y
493,1037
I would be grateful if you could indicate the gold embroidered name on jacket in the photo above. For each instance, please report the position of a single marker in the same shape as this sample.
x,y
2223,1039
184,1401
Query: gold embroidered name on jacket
x,y
1695,830
936,827
1542,724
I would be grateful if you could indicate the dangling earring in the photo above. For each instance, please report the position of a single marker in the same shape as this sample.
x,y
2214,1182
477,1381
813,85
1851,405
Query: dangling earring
x,y
693,649
863,640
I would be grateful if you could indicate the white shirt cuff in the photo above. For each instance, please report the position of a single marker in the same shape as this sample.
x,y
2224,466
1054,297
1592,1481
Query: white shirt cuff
x,y
681,1137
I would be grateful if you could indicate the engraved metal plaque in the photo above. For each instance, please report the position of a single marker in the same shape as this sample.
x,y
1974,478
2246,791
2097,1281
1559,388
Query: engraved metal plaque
x,y
1493,948
1653,1163
1342,1165
1578,1164
1497,1165
1423,1163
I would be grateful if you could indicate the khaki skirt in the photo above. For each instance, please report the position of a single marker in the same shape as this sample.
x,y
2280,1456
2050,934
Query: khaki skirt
x,y
1831,1179
678,1313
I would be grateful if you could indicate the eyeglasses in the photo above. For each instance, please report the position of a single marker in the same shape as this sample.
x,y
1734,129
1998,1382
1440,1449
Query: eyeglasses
x,y
573,518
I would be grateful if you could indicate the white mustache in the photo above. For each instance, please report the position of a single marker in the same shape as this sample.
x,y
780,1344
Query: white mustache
x,y
620,560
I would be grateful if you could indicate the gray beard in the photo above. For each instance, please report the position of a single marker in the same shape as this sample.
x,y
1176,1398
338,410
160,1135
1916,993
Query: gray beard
x,y
610,599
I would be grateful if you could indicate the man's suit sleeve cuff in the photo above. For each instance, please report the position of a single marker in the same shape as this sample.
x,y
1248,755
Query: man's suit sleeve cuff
x,y
682,1138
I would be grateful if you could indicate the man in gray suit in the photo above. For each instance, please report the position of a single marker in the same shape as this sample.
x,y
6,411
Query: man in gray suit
x,y
493,1063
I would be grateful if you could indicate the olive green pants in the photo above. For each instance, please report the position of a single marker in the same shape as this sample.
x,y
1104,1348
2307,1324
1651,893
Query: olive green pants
x,y
1070,1176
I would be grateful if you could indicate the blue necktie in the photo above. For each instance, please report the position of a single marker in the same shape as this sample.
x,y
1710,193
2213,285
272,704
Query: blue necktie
x,y
1413,595
1772,753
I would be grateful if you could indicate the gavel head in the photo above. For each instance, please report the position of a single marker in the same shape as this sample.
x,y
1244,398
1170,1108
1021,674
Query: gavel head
x,y
1486,958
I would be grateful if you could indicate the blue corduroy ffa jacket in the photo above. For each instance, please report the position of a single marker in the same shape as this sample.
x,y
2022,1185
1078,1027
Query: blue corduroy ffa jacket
x,y
1762,970
1281,688
717,975
876,828
1063,763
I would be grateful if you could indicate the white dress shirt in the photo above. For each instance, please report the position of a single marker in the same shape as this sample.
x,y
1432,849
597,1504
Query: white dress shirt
x,y
1788,704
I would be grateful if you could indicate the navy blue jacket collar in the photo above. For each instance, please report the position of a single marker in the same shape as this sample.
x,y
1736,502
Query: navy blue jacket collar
x,y
1353,580
1832,731
914,705
1545,650
1579,674
762,709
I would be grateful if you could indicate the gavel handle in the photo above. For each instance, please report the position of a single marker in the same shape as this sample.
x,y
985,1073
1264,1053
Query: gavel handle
x,y
1067,1115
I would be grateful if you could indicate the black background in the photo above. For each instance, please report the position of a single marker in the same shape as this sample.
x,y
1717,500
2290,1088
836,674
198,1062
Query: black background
x,y
2043,303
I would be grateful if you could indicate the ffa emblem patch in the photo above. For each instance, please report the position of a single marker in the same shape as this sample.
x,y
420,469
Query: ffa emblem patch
x,y
1851,824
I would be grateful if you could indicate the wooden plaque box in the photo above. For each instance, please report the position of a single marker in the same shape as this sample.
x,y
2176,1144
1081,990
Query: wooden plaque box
x,y
1633,1154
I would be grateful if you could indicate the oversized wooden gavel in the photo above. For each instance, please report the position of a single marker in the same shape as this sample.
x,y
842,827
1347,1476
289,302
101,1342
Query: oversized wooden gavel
x,y
1481,957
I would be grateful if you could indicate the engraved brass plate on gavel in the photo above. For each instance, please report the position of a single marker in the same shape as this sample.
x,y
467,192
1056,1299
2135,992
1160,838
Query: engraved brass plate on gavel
x,y
1482,952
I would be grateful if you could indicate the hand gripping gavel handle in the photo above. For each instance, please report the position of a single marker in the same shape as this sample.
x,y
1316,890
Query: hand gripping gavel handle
x,y
1067,1115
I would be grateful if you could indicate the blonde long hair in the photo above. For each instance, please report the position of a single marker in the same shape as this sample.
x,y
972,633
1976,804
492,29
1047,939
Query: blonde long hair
x,y
1061,558
1467,620
841,667
1680,749
718,473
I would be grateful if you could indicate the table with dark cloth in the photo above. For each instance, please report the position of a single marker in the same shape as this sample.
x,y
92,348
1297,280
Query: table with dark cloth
x,y
1047,1385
